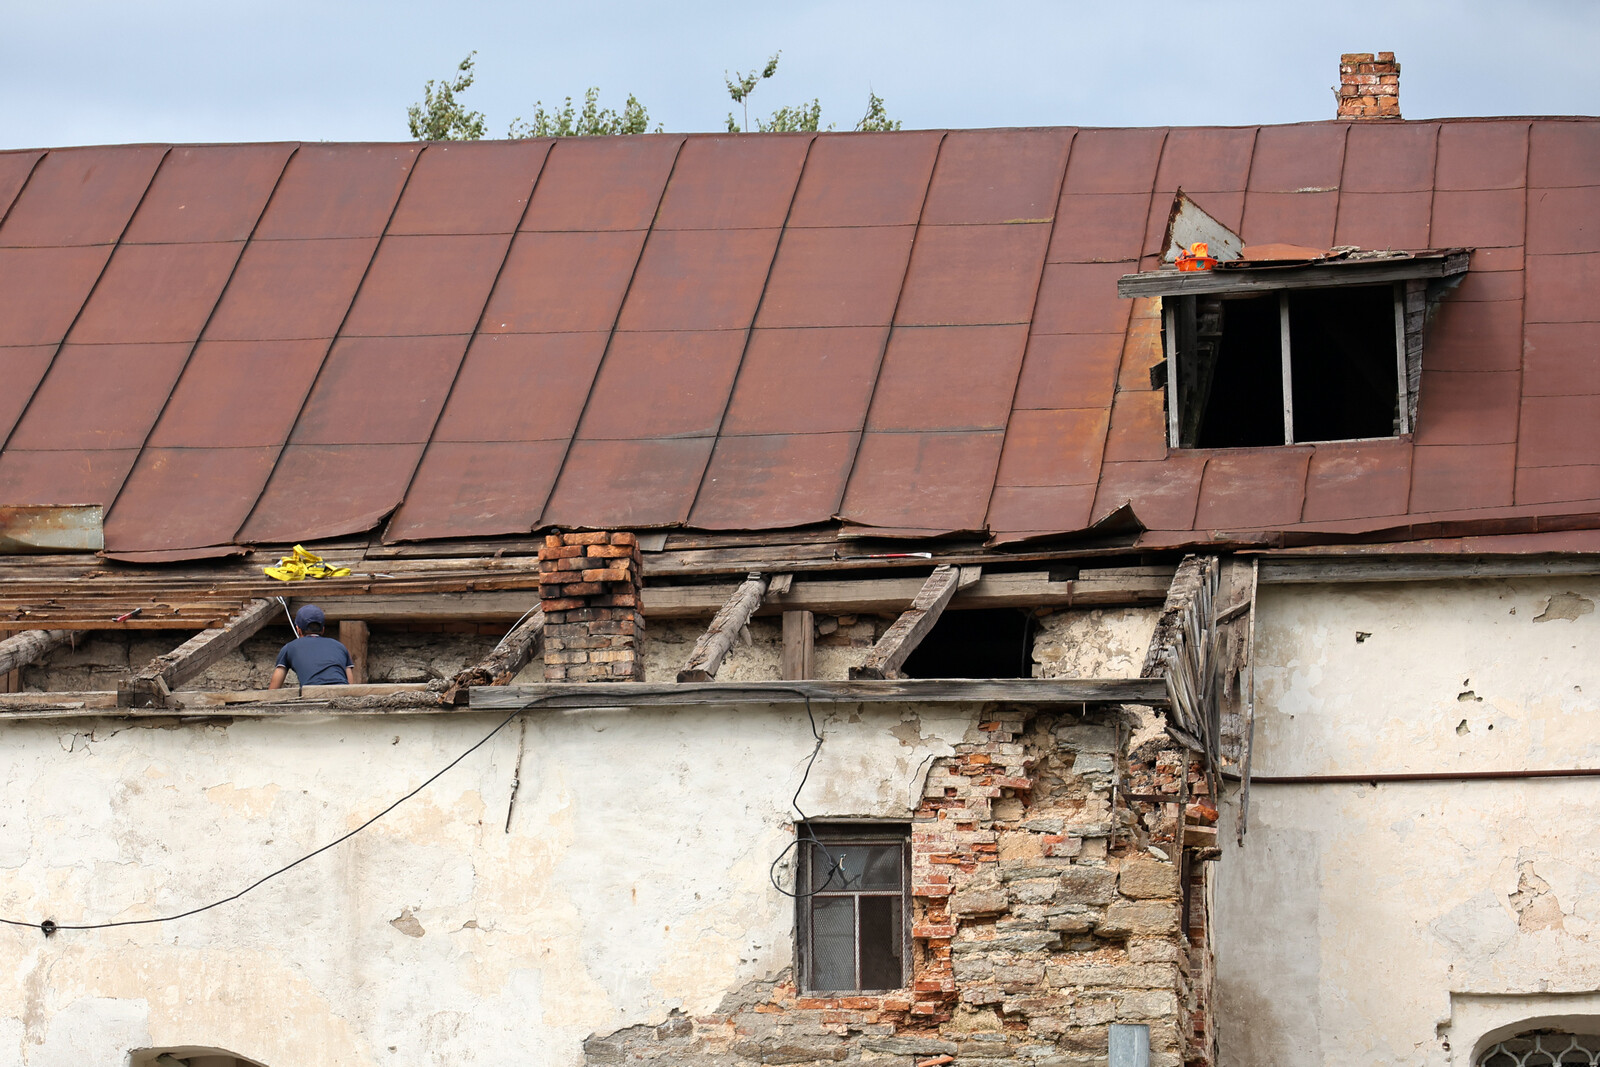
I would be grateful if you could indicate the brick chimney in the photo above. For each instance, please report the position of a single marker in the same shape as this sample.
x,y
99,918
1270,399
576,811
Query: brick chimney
x,y
589,589
1369,88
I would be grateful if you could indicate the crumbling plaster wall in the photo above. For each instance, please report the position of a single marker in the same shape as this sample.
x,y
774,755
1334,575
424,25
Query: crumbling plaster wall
x,y
1357,921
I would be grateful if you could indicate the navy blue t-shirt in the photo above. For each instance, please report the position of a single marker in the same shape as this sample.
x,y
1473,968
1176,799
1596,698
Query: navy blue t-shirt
x,y
316,660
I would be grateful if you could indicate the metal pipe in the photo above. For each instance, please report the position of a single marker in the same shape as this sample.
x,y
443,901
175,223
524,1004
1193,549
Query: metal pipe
x,y
1413,776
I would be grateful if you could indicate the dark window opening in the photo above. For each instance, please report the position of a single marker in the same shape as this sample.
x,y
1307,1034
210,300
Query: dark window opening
x,y
852,908
1342,345
1238,373
987,643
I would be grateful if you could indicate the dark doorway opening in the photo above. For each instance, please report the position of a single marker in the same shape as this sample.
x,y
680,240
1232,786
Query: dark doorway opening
x,y
1342,350
987,643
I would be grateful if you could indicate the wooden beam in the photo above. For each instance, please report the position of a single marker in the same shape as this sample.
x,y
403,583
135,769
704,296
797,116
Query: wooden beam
x,y
725,626
902,638
151,685
1316,276
1282,570
29,647
799,648
353,636
508,657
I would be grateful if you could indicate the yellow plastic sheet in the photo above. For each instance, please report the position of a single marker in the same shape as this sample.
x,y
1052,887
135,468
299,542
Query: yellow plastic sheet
x,y
301,564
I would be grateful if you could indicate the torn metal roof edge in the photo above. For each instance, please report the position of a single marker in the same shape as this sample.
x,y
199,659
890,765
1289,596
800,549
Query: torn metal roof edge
x,y
1393,265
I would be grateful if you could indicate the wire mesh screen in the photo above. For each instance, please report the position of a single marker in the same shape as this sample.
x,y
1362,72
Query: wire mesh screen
x,y
1544,1050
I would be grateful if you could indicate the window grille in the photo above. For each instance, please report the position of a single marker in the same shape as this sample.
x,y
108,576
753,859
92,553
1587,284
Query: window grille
x,y
1544,1050
852,908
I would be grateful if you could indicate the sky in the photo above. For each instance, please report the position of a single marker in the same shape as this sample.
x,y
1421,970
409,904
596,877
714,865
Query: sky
x,y
183,71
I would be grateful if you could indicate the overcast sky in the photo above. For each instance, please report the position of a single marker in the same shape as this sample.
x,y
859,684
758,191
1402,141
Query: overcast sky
x,y
115,71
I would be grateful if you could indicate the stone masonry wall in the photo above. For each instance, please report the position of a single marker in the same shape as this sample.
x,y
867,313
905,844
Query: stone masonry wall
x,y
589,588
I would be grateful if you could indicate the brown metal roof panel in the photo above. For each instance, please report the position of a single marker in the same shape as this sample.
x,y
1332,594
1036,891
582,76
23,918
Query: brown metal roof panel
x,y
179,498
673,384
337,190
1226,207
1100,227
1559,430
154,293
563,282
1082,298
733,182
1559,358
606,484
1482,155
1288,159
322,491
1069,371
80,196
1501,285
923,480
469,187
380,390
426,285
997,176
1143,348
1205,160
477,489
1389,157
1552,485
521,387
1060,447
1350,480
239,394
1563,153
602,183
21,368
805,381
1476,336
836,277
208,193
1564,220
1290,218
948,378
1467,407
1020,510
1383,220
14,170
74,476
1138,426
1253,489
291,289
43,289
100,396
973,275
880,180
1563,288
1454,477
699,280
1163,493
1478,217
774,481
1114,161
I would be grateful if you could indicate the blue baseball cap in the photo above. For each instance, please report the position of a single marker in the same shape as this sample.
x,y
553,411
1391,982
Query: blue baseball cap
x,y
310,615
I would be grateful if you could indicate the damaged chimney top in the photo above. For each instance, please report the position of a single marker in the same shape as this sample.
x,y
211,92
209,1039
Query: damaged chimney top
x,y
1369,87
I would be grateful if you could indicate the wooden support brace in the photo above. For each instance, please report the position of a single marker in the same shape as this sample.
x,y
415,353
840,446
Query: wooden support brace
x,y
29,647
902,638
508,657
353,636
149,687
719,636
799,637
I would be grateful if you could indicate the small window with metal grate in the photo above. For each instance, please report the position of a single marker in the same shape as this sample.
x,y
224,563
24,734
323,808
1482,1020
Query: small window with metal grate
x,y
852,907
1544,1048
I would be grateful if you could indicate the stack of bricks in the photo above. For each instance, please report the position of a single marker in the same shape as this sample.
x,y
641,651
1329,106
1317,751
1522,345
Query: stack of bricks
x,y
1369,87
589,589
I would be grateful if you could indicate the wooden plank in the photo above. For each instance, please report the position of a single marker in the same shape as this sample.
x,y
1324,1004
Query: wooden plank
x,y
353,636
507,658
725,626
1286,368
1257,279
151,685
799,644
902,638
1333,569
29,647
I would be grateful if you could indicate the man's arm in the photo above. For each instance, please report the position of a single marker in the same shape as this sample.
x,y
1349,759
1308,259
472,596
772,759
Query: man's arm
x,y
278,675
350,675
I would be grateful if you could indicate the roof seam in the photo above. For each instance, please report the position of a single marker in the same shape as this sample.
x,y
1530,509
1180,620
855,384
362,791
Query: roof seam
x,y
1522,332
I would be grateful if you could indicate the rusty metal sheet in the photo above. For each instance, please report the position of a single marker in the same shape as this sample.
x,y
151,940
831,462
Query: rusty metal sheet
x,y
14,170
177,498
663,385
208,193
1450,477
699,280
1551,485
1138,426
1389,157
805,381
521,387
153,293
728,181
561,282
774,481
63,476
176,555
1081,298
1384,220
1054,447
865,181
1253,489
321,491
1350,480
1099,228
1206,160
380,390
469,187
923,480
1225,208
1467,407
42,290
1504,285
1290,158
25,530
1562,153
1560,358
1486,335
1564,220
1559,430
1482,155
21,369
602,183
337,190
1069,371
994,176
621,484
1019,510
1478,218
1162,493
1290,218
837,277
1114,161
477,489
283,290
973,275
235,394
80,196
99,396
1560,288
948,378
426,285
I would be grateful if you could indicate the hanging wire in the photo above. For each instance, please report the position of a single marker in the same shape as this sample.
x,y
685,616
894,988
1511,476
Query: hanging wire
x,y
835,865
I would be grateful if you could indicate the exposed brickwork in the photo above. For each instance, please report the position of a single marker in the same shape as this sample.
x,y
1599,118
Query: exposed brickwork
x,y
593,626
1043,910
1369,86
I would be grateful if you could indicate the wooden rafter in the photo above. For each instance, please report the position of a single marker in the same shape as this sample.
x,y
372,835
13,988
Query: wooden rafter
x,y
719,636
148,688
508,657
907,632
29,647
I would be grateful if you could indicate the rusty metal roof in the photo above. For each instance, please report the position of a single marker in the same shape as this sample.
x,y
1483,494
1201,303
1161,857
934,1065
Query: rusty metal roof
x,y
914,332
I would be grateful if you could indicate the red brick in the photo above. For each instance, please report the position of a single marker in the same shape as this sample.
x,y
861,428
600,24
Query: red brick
x,y
561,604
596,538
622,537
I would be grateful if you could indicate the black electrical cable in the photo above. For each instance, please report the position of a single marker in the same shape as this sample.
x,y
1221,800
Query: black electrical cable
x,y
835,867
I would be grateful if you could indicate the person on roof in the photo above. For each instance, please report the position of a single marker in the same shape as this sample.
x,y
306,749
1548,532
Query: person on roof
x,y
314,658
